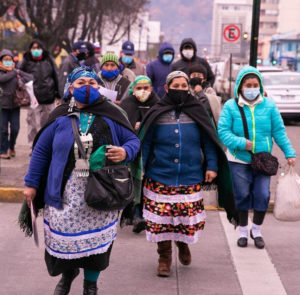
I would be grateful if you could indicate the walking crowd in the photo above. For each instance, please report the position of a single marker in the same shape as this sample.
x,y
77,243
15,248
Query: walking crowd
x,y
162,121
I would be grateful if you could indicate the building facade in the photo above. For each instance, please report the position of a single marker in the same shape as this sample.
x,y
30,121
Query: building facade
x,y
238,12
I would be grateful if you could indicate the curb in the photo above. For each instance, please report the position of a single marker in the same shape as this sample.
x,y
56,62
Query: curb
x,y
15,195
11,195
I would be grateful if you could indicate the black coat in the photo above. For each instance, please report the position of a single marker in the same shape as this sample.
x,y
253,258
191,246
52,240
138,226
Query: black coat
x,y
184,64
67,66
9,84
137,110
45,81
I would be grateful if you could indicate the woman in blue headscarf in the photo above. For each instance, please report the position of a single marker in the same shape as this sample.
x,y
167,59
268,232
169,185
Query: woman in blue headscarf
x,y
76,235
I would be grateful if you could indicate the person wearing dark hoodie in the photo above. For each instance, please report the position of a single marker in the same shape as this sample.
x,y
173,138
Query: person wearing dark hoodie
x,y
37,61
10,80
92,60
71,62
189,58
159,69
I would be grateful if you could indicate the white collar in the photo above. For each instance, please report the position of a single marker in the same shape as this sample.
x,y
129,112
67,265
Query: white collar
x,y
243,101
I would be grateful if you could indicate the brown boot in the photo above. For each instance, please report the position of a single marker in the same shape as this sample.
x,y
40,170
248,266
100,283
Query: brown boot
x,y
165,258
184,253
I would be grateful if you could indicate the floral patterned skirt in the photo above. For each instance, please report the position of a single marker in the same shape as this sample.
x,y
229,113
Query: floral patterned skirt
x,y
173,213
78,230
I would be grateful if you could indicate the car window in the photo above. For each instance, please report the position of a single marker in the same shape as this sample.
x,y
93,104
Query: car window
x,y
273,80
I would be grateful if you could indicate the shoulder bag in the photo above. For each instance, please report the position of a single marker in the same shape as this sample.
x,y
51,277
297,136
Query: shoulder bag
x,y
108,188
21,96
263,162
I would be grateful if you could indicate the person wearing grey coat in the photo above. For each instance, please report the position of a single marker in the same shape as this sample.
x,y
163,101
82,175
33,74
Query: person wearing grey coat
x,y
10,79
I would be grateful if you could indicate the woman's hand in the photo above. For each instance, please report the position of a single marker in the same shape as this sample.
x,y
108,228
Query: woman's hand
x,y
116,154
117,102
198,88
210,175
29,194
248,145
137,125
291,161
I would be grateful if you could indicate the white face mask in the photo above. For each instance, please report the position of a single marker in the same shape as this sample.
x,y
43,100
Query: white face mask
x,y
142,95
188,53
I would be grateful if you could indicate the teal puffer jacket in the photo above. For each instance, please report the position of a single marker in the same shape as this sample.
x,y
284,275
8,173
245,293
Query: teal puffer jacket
x,y
264,124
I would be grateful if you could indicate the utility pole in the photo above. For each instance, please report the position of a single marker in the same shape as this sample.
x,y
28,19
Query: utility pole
x,y
254,33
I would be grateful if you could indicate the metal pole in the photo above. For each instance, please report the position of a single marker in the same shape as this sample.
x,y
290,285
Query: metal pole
x,y
254,33
230,73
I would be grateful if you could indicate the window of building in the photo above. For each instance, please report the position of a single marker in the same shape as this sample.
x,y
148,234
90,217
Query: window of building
x,y
271,12
225,7
289,46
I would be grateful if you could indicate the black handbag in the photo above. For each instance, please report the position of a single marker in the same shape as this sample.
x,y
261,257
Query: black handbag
x,y
108,188
263,162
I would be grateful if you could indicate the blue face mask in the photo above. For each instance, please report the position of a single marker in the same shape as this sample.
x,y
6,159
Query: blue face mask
x,y
110,74
36,52
86,94
251,93
167,58
7,63
127,59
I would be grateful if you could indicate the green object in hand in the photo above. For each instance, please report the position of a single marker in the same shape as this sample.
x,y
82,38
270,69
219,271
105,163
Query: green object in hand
x,y
97,159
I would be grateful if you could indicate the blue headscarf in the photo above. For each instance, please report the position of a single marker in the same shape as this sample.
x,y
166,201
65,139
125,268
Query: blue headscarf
x,y
82,71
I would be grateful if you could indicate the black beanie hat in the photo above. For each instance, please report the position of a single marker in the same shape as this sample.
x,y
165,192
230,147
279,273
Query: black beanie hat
x,y
198,68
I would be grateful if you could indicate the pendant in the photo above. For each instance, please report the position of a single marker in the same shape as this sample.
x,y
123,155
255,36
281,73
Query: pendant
x,y
81,168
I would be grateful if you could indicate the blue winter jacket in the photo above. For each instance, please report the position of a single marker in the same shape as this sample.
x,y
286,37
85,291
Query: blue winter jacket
x,y
158,70
172,154
54,146
264,124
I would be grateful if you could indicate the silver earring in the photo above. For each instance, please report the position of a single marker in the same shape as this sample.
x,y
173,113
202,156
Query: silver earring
x,y
71,104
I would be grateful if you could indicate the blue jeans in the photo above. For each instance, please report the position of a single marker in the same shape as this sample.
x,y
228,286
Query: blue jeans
x,y
251,188
12,117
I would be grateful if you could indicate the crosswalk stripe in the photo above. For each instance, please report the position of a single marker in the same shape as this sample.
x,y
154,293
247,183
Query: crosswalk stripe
x,y
255,270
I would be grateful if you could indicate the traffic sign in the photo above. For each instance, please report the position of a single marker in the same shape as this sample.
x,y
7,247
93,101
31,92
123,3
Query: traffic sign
x,y
231,33
231,38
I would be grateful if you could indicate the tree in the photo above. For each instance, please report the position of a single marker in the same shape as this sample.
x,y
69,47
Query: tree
x,y
5,4
61,22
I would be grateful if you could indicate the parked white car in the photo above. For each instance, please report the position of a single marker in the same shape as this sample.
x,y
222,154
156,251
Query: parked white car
x,y
284,89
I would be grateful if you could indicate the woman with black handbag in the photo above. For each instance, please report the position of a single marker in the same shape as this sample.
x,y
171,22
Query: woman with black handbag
x,y
77,235
247,126
10,78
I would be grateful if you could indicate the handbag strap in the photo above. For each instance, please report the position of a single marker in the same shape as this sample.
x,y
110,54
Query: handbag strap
x,y
77,138
245,125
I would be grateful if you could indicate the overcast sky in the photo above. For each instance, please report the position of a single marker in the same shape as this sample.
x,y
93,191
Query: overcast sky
x,y
181,18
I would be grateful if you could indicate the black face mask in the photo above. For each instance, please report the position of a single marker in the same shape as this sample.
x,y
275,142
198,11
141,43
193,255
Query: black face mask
x,y
196,81
178,96
81,56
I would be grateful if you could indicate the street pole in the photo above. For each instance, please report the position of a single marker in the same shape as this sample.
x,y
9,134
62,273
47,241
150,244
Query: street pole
x,y
254,33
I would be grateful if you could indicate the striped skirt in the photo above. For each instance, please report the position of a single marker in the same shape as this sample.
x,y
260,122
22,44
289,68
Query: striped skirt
x,y
173,213
77,230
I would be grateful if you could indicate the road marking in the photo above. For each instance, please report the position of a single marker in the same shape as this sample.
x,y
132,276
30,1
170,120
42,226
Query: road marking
x,y
255,270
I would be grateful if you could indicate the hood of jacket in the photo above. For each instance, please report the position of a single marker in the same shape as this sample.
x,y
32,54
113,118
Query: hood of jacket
x,y
191,42
6,52
246,70
165,47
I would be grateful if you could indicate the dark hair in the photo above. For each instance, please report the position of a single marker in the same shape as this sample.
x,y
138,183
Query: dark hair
x,y
245,78
198,68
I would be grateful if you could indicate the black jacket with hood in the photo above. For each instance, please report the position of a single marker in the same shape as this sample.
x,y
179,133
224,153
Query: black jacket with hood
x,y
184,64
44,71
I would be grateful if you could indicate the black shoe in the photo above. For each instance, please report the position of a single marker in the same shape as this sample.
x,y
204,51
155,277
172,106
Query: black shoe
x,y
89,288
139,224
64,285
258,241
242,242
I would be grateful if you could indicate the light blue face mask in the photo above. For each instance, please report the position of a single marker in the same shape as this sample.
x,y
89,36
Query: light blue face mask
x,y
251,93
167,58
127,59
36,52
7,63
